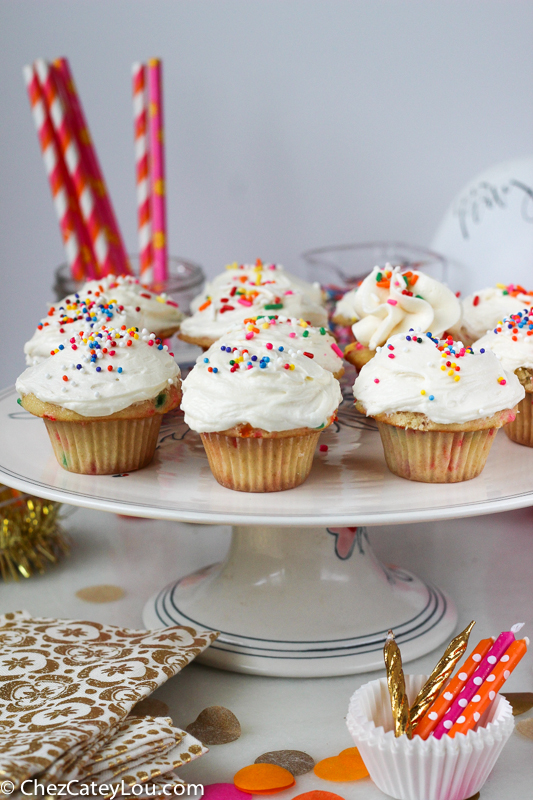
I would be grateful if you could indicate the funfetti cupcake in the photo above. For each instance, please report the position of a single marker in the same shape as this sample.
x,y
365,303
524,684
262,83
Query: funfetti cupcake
x,y
102,395
512,343
438,405
260,412
245,297
391,301
345,313
291,336
275,272
483,310
75,314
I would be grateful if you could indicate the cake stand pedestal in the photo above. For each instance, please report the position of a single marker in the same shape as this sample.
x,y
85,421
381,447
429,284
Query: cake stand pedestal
x,y
304,602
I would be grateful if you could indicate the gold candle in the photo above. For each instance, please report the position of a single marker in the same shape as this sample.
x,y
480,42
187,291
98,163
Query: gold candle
x,y
396,683
440,675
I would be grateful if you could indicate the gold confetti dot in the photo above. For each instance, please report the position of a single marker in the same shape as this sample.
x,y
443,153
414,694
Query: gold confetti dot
x,y
103,593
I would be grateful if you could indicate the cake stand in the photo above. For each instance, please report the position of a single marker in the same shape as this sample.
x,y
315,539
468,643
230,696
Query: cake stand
x,y
300,592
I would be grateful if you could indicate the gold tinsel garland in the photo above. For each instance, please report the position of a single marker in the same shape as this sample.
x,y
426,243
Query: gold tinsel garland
x,y
30,535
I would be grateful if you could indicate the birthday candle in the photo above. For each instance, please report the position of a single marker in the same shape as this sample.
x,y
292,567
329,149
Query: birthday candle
x,y
429,721
502,643
488,691
396,683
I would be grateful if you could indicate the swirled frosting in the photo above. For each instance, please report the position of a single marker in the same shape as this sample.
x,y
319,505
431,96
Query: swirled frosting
x,y
274,272
293,336
483,310
345,307
390,301
99,372
268,388
441,379
246,296
74,314
511,341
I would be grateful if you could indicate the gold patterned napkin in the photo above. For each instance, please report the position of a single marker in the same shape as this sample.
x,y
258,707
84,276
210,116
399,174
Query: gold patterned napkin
x,y
66,687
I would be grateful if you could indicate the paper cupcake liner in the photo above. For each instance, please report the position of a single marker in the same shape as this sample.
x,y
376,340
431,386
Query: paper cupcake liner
x,y
431,769
260,465
521,430
104,447
435,456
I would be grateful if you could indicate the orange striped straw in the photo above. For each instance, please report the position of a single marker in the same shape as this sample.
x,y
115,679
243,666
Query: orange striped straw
x,y
78,246
157,170
80,128
429,721
142,173
490,688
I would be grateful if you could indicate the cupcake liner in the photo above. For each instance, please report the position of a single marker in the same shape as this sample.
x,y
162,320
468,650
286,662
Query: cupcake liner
x,y
260,465
435,456
103,447
431,769
521,430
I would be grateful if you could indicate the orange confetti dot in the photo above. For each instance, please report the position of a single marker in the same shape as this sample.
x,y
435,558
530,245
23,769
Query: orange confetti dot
x,y
347,766
263,779
318,794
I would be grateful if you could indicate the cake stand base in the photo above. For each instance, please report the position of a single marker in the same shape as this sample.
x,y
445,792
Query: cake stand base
x,y
304,602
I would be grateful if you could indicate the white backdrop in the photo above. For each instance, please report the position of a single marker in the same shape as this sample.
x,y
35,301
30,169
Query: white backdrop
x,y
290,123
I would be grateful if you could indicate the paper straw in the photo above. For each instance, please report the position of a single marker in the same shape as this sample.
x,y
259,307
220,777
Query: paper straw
x,y
490,688
89,206
80,129
157,171
429,721
78,246
502,643
142,172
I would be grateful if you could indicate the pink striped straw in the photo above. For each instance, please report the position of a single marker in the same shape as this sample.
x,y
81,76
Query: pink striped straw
x,y
80,128
78,247
89,206
157,171
142,172
481,674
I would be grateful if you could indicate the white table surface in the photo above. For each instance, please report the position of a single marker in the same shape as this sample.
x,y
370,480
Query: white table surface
x,y
485,563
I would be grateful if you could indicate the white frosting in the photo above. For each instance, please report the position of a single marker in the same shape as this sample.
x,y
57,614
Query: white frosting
x,y
288,392
291,336
481,311
272,271
158,311
383,311
510,342
345,307
65,319
140,371
409,376
261,293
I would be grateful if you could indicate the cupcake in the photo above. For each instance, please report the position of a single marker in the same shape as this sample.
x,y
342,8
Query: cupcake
x,y
273,272
260,411
344,313
74,314
431,769
102,395
391,301
512,343
483,310
247,296
438,405
291,336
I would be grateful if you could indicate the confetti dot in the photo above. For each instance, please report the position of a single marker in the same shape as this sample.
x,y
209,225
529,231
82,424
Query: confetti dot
x,y
295,761
347,766
263,779
317,794
103,593
224,791
215,725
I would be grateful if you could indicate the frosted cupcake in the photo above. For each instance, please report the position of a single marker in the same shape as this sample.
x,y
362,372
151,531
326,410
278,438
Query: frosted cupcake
x,y
260,412
274,272
483,310
102,395
72,315
512,343
438,405
390,301
344,313
247,296
291,336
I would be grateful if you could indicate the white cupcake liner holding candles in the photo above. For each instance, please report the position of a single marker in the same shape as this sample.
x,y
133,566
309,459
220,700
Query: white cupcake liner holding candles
x,y
444,769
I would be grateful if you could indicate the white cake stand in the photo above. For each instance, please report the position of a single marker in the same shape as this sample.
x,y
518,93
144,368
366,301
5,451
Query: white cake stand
x,y
300,593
